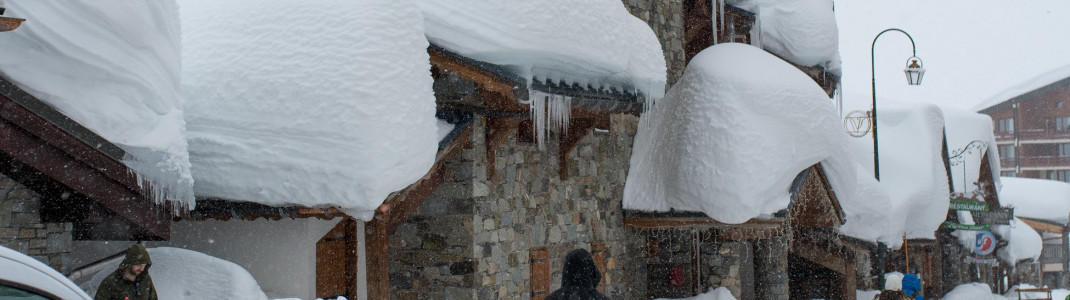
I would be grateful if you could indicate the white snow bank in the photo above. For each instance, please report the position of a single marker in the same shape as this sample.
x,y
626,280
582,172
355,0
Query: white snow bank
x,y
185,274
113,67
323,103
1037,198
1022,242
1056,294
872,215
866,294
893,281
721,293
801,31
730,137
593,42
973,291
911,165
969,136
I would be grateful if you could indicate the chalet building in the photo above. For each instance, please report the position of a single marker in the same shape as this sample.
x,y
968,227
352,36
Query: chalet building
x,y
1033,132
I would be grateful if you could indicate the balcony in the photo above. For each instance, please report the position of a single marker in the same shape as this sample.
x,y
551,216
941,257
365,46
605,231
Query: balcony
x,y
1034,134
1038,161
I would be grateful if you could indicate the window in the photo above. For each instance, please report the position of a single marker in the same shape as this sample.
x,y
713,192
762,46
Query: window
x,y
10,292
1006,151
1005,125
1064,150
1060,175
1006,174
1062,123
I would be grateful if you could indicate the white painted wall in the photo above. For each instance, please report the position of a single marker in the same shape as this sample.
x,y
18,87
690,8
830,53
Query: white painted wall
x,y
281,254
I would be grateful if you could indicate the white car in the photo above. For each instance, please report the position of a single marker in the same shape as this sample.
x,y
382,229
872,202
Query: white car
x,y
22,277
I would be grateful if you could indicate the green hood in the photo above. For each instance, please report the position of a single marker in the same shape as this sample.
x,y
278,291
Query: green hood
x,y
137,254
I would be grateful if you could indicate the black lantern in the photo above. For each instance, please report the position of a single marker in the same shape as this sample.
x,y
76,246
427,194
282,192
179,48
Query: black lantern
x,y
914,70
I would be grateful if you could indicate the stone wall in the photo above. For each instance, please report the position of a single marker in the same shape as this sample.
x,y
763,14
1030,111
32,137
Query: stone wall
x,y
665,17
21,228
472,238
771,267
727,264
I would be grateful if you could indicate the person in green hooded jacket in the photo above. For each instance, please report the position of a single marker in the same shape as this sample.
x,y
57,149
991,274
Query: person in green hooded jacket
x,y
131,281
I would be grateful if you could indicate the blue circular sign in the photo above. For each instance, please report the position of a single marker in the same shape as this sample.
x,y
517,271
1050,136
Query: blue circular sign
x,y
985,243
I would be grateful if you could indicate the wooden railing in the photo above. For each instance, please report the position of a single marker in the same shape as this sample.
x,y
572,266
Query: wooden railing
x,y
1034,294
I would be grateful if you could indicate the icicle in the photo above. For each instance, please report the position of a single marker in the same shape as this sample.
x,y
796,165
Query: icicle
x,y
538,117
720,12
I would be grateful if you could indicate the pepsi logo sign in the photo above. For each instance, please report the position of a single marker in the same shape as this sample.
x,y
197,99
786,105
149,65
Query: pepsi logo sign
x,y
985,243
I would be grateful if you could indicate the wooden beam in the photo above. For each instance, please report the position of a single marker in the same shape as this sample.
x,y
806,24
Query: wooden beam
x,y
1043,225
668,222
821,257
405,202
31,141
486,80
498,131
577,130
747,233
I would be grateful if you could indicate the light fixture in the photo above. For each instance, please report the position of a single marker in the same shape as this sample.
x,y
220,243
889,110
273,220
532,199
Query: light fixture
x,y
914,70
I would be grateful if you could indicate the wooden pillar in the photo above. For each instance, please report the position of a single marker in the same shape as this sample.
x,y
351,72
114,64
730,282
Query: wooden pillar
x,y
378,259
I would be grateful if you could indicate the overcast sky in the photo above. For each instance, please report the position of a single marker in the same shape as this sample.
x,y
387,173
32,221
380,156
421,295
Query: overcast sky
x,y
973,50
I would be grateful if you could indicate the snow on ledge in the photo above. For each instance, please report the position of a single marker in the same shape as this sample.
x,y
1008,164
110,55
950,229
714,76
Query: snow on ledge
x,y
1036,198
113,67
313,103
801,31
594,42
729,138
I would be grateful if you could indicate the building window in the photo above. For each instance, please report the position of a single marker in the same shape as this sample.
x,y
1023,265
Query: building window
x,y
1064,150
1006,151
1060,175
1062,123
1006,174
1005,125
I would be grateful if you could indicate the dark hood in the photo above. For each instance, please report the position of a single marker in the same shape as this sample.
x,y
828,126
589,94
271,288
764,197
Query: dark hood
x,y
580,270
137,254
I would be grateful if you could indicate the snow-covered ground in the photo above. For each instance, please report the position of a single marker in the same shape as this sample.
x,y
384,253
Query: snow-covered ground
x,y
730,137
720,293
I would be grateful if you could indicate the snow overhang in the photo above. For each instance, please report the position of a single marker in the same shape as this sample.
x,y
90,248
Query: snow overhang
x,y
78,173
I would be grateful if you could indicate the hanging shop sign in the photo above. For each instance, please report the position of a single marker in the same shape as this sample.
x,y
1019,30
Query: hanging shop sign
x,y
984,243
968,205
957,226
996,216
981,261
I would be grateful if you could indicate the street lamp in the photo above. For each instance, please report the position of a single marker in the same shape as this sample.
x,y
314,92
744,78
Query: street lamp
x,y
914,71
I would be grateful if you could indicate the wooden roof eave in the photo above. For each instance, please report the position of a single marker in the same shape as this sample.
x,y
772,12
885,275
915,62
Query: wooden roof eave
x,y
1044,225
46,151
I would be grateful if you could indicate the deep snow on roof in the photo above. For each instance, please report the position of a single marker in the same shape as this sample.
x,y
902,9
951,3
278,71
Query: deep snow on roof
x,y
594,42
802,31
322,103
113,67
969,137
730,137
911,165
1041,199
1025,86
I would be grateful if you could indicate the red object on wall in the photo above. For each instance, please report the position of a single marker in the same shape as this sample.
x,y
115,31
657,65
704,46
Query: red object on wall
x,y
676,276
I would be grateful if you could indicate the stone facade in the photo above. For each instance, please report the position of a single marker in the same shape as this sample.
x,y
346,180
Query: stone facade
x,y
472,237
667,19
21,228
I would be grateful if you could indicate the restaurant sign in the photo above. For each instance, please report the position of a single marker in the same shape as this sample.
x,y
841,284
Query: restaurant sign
x,y
968,205
997,216
957,226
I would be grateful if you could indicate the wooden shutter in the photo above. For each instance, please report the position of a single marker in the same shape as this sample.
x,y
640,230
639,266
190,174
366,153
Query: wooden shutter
x,y
540,273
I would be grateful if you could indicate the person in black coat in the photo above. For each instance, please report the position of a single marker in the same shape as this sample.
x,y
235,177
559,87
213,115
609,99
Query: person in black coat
x,y
579,279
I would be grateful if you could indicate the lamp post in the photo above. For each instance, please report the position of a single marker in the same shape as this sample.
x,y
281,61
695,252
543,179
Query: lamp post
x,y
914,72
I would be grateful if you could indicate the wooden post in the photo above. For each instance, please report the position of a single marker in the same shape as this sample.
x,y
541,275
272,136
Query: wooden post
x,y
378,259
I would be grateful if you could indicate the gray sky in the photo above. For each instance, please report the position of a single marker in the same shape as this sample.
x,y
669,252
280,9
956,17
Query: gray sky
x,y
973,50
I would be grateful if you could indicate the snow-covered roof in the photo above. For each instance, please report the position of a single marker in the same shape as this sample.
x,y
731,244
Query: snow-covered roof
x,y
113,67
911,165
1040,199
1025,86
594,42
872,215
803,32
969,136
322,103
730,137
1022,242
